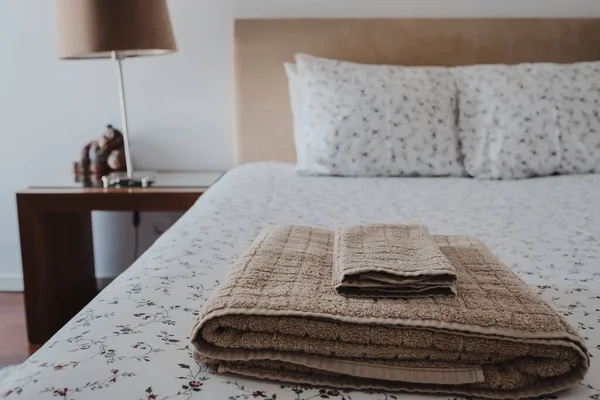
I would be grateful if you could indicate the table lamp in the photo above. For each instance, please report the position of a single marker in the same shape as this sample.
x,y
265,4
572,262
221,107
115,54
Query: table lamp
x,y
115,29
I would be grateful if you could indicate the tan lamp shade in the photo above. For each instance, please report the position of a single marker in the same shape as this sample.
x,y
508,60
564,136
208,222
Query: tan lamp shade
x,y
96,28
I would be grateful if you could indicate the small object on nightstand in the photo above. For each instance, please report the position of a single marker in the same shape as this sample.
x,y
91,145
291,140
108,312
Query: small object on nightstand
x,y
116,160
103,156
87,180
121,180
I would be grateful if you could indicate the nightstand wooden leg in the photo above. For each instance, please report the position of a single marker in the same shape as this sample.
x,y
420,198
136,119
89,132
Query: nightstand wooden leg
x,y
58,267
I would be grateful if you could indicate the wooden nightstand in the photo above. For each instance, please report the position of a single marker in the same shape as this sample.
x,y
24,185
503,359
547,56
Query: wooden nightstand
x,y
56,240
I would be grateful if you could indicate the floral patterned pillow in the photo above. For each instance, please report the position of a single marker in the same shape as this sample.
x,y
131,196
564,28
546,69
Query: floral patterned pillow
x,y
527,120
376,120
295,95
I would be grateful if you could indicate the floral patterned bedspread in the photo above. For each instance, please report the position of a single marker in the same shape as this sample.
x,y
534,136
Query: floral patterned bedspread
x,y
132,341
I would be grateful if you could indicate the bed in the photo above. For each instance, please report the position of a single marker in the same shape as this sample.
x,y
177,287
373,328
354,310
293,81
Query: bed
x,y
132,341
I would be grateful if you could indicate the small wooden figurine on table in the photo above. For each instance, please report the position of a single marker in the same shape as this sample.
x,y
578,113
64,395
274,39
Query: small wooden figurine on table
x,y
101,157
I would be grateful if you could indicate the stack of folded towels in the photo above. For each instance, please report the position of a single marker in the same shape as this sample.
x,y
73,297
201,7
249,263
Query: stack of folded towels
x,y
387,307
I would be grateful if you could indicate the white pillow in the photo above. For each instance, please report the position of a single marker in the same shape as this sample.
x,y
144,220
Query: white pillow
x,y
375,120
295,96
528,120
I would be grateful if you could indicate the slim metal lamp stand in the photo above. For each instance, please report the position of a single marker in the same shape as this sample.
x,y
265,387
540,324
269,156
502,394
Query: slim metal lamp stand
x,y
129,180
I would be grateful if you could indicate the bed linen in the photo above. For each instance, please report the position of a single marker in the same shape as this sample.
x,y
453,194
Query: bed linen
x,y
132,341
518,121
375,120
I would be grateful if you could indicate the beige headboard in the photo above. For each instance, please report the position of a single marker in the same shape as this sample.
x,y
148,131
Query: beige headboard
x,y
264,120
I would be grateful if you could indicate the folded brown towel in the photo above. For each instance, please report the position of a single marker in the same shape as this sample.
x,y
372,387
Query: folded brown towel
x,y
382,260
276,316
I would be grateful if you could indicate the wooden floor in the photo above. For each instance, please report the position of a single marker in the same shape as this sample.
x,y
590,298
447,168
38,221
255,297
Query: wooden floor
x,y
14,347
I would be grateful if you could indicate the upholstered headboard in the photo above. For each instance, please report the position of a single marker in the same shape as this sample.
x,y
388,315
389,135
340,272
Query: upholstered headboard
x,y
264,121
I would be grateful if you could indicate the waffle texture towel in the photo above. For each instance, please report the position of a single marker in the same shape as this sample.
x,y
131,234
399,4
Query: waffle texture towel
x,y
382,260
276,316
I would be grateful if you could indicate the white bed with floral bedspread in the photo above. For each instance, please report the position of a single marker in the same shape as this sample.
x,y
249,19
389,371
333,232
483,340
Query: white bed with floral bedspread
x,y
132,341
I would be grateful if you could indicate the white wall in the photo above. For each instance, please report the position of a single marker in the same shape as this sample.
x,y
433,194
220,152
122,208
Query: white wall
x,y
416,8
179,109
181,106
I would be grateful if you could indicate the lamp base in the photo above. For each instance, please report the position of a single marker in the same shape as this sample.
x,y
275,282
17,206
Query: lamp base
x,y
121,180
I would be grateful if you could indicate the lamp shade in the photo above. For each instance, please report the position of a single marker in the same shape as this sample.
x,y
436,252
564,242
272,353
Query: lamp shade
x,y
96,28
